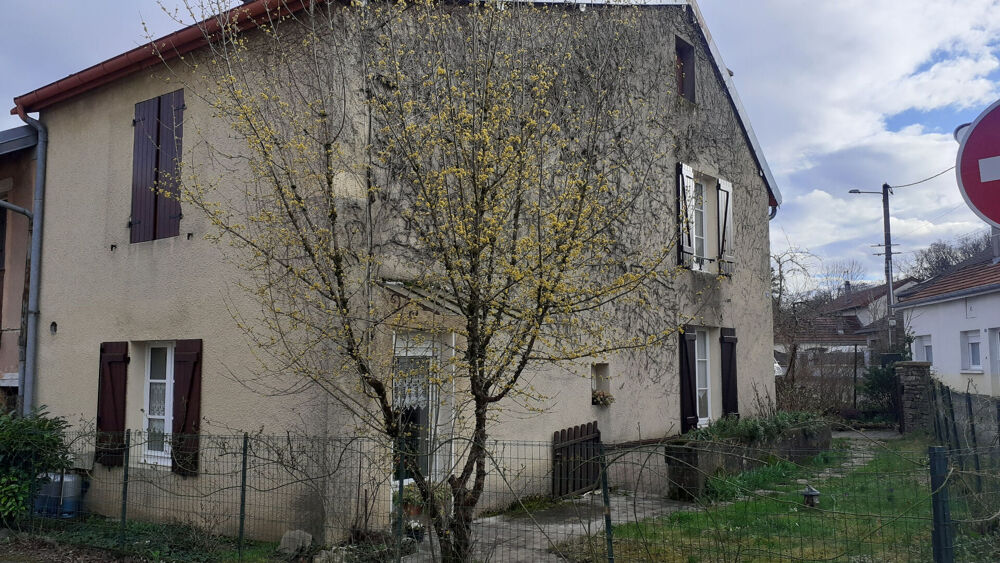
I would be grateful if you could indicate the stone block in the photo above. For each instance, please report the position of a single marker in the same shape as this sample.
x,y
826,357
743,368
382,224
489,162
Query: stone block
x,y
295,541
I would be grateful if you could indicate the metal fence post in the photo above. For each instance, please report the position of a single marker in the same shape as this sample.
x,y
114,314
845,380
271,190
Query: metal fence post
x,y
125,463
608,533
941,533
974,442
243,495
399,502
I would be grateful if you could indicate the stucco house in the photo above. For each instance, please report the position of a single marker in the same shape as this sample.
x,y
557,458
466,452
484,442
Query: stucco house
x,y
954,320
17,180
136,301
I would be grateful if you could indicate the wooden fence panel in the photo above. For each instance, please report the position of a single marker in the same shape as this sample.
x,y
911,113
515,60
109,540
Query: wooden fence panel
x,y
576,465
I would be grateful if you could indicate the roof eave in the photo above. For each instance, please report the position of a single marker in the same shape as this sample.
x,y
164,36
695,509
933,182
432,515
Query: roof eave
x,y
166,48
950,296
17,139
774,194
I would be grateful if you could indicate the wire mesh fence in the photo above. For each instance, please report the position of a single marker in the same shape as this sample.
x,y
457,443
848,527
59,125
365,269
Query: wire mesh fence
x,y
235,497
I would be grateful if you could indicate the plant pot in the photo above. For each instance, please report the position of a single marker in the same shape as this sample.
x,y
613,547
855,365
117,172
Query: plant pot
x,y
416,533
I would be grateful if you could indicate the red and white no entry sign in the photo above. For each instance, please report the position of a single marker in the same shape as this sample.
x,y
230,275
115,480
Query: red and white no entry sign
x,y
978,165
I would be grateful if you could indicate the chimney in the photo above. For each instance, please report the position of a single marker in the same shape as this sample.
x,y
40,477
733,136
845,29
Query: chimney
x,y
847,286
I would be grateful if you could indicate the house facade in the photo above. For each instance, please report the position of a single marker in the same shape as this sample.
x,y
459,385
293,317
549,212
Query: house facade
x,y
954,319
137,301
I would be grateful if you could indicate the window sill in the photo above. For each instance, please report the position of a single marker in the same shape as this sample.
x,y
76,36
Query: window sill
x,y
156,459
971,371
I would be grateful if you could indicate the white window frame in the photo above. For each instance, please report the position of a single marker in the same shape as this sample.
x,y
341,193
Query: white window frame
x,y
156,457
968,338
919,348
402,348
699,232
702,345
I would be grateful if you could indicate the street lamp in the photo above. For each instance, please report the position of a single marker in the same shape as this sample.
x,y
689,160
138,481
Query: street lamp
x,y
886,190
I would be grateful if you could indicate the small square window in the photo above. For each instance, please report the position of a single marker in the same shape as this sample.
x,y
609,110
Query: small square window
x,y
685,69
600,376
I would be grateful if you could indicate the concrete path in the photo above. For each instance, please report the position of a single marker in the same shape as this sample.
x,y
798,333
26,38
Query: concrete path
x,y
526,537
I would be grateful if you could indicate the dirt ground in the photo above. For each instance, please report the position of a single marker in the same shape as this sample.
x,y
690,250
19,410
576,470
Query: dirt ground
x,y
35,550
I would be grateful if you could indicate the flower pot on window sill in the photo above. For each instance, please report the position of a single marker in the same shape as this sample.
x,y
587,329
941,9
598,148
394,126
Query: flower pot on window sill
x,y
601,399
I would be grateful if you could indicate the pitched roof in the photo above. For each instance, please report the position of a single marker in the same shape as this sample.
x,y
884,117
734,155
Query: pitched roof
x,y
861,297
251,14
831,329
977,274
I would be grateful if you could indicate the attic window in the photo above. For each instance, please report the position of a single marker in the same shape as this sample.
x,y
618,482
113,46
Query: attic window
x,y
685,69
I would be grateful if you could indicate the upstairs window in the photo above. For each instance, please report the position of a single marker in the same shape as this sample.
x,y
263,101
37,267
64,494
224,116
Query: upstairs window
x,y
705,221
698,225
156,154
685,69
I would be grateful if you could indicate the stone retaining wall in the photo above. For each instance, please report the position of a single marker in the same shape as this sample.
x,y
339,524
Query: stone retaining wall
x,y
691,464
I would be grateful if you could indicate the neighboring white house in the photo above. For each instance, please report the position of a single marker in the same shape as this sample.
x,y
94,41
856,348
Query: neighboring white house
x,y
955,321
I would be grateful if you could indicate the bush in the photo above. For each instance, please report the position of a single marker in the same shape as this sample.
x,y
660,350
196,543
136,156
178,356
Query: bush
x,y
29,447
879,390
754,430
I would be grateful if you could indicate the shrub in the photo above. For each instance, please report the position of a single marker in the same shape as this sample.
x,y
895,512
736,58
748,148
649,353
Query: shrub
x,y
879,389
754,430
30,446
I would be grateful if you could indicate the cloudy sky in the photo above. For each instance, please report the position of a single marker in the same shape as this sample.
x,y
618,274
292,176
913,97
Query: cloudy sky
x,y
842,94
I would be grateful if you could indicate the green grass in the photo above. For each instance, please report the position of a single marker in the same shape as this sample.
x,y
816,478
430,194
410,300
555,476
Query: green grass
x,y
877,511
528,505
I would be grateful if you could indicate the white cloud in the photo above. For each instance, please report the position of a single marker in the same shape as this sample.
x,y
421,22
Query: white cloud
x,y
821,80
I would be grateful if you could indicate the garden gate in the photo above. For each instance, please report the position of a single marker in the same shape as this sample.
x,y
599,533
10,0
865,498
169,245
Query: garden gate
x,y
576,465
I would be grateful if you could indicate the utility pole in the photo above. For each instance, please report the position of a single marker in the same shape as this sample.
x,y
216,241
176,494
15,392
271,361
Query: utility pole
x,y
890,298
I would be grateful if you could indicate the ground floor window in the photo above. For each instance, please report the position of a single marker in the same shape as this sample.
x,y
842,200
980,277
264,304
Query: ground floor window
x,y
415,398
158,406
703,377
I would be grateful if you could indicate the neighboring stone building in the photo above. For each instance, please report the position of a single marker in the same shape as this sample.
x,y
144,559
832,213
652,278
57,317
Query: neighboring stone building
x,y
139,302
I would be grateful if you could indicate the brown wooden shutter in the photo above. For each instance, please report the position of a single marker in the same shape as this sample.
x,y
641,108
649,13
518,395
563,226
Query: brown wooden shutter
x,y
168,207
725,223
685,225
110,445
730,388
144,165
184,443
689,386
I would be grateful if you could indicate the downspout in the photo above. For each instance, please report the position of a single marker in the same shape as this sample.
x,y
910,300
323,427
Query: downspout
x,y
35,256
774,211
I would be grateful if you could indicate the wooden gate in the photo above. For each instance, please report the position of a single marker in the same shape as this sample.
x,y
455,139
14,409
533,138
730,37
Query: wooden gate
x,y
576,463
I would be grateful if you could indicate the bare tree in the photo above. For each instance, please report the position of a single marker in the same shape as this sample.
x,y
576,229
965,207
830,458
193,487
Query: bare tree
x,y
838,275
492,171
941,255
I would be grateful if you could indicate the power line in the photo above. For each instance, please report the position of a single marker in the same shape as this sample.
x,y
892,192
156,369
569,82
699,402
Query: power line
x,y
924,180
